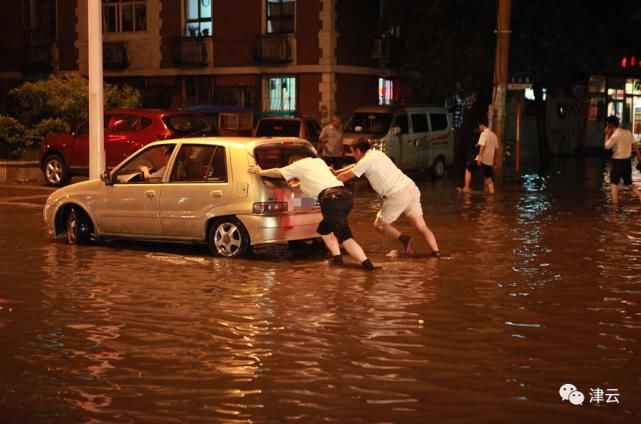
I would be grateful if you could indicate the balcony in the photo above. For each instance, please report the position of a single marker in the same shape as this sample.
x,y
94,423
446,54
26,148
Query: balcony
x,y
39,58
115,56
273,48
190,51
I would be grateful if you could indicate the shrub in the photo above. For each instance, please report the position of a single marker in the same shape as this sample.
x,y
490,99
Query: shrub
x,y
13,138
66,99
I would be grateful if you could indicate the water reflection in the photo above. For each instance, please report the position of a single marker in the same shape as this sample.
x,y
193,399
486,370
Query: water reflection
x,y
540,288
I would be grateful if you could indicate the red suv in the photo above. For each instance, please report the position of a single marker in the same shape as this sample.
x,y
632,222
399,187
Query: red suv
x,y
62,156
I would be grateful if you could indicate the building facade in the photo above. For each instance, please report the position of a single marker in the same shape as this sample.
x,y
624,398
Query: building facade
x,y
278,57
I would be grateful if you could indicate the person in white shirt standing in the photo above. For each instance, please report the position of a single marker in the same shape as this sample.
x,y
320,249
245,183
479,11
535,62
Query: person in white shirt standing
x,y
332,138
620,141
399,193
336,202
488,143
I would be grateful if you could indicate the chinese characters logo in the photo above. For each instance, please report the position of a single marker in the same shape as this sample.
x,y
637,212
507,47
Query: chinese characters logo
x,y
570,393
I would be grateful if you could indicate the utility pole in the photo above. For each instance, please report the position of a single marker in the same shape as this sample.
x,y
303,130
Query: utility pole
x,y
496,113
96,103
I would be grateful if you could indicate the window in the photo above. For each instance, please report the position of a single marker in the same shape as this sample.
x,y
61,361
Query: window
x,y
198,163
278,155
280,16
419,123
183,125
39,14
124,15
147,166
278,128
279,95
385,91
124,123
198,21
438,121
401,122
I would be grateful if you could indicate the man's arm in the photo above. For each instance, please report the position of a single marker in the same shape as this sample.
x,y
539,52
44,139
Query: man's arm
x,y
272,172
478,158
344,169
346,176
609,140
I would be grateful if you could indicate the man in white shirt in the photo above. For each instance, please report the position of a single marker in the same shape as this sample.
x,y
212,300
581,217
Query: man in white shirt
x,y
332,138
336,202
620,141
488,143
399,193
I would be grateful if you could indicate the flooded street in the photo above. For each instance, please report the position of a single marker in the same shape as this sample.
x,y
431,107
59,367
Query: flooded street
x,y
541,287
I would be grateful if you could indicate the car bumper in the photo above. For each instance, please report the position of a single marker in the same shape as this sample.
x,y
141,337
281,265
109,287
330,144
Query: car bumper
x,y
282,227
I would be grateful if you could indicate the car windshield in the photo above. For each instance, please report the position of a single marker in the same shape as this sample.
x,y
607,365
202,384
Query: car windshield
x,y
278,155
187,124
278,128
365,122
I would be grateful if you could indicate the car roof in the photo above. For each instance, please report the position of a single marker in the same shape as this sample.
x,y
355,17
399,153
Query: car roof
x,y
154,112
249,142
393,108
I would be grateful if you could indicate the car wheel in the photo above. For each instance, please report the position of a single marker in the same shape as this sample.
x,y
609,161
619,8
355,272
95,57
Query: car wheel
x,y
55,171
78,227
438,169
228,238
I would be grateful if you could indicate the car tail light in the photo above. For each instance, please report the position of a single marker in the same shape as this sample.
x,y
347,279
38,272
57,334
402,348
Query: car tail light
x,y
266,208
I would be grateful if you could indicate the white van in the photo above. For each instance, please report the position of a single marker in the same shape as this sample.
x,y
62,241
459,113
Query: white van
x,y
416,138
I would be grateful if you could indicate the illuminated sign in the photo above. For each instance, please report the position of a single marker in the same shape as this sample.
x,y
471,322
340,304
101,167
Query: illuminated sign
x,y
628,62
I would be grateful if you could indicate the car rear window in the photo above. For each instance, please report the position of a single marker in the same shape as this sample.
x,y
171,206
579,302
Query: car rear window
x,y
278,128
278,155
186,124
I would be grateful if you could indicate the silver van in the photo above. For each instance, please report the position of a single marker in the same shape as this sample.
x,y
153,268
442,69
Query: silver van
x,y
416,138
191,190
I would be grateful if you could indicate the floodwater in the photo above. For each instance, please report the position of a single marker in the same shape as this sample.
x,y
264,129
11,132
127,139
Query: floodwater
x,y
542,288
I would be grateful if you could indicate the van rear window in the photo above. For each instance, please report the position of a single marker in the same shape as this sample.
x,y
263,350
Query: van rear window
x,y
278,155
278,128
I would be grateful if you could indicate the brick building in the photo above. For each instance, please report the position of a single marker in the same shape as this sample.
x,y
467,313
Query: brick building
x,y
303,57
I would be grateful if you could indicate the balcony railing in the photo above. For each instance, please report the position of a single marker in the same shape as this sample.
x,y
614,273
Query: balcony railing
x,y
115,56
190,51
273,48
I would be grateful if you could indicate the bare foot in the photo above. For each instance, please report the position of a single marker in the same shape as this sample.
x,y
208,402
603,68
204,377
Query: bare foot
x,y
462,190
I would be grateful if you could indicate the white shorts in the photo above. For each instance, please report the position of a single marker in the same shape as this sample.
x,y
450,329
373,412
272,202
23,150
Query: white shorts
x,y
406,200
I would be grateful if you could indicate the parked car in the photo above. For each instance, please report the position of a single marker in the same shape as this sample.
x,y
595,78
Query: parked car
x,y
62,156
204,194
416,138
228,120
303,127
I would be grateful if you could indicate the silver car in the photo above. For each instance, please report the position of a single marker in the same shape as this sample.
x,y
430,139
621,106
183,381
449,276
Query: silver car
x,y
191,190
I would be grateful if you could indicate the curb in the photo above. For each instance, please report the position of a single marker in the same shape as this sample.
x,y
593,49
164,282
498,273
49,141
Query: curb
x,y
19,171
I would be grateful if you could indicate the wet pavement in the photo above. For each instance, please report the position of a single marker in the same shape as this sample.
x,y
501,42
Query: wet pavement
x,y
542,288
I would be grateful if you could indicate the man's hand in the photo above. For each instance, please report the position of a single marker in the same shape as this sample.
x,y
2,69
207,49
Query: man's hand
x,y
254,169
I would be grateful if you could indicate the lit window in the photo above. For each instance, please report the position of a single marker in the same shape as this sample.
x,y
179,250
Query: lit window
x,y
198,21
124,15
280,16
279,95
385,91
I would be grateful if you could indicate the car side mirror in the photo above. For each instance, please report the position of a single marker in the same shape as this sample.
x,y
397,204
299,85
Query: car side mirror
x,y
106,178
396,130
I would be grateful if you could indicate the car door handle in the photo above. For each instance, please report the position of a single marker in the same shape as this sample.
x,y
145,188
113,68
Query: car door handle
x,y
150,194
217,194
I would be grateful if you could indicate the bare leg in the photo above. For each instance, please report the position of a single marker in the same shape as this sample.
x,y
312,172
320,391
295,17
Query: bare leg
x,y
390,231
490,185
419,223
637,192
332,244
614,191
468,181
354,250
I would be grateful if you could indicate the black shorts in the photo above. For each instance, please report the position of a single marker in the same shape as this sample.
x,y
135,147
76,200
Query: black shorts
x,y
621,168
336,203
488,170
